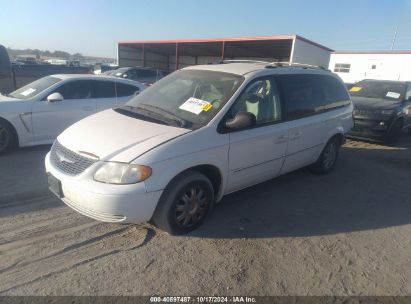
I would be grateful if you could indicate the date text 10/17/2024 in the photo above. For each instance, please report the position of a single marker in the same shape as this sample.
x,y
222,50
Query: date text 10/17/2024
x,y
214,299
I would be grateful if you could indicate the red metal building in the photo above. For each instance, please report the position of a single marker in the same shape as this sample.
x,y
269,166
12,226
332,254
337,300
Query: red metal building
x,y
175,54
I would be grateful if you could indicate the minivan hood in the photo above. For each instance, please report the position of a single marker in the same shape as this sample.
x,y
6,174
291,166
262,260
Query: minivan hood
x,y
373,103
112,136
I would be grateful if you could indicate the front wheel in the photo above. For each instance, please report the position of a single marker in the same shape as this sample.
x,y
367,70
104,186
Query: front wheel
x,y
6,136
328,158
395,133
185,203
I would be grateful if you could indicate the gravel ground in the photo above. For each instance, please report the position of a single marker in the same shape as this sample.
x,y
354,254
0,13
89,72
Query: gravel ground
x,y
348,233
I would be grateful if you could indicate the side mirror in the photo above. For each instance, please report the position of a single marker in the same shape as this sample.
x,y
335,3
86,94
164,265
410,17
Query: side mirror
x,y
55,97
137,92
242,120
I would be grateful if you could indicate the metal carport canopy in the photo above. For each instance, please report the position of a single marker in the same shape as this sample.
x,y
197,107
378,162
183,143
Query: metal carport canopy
x,y
277,48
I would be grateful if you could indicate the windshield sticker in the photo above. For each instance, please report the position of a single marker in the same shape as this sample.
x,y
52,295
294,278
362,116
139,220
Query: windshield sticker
x,y
28,92
196,106
355,89
393,95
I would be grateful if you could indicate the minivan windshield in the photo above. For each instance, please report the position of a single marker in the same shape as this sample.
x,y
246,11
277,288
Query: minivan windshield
x,y
34,88
390,90
190,98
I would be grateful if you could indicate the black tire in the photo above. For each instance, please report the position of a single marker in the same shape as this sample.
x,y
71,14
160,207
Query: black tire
x,y
328,158
185,203
394,133
8,136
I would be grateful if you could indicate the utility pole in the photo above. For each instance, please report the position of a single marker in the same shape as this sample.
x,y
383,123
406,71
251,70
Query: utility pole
x,y
395,38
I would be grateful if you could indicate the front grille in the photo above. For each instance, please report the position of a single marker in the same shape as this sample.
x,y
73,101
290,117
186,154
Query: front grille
x,y
363,112
68,161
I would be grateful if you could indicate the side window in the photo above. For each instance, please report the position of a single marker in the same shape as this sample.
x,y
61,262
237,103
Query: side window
x,y
308,94
335,93
79,89
302,95
147,74
342,67
131,74
103,89
261,99
126,90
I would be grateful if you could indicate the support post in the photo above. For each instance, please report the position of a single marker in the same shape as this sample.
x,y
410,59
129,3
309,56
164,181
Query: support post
x,y
143,55
223,50
177,56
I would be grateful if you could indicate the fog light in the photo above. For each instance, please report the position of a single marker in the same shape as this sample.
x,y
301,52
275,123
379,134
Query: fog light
x,y
382,123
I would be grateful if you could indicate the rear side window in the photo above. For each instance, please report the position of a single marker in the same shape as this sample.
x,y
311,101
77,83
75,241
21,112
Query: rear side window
x,y
309,94
103,89
131,74
126,90
335,93
147,73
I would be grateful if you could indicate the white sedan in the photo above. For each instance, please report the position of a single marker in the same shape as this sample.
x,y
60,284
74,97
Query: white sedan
x,y
36,113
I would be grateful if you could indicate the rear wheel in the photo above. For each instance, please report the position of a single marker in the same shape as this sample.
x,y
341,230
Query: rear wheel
x,y
185,203
328,158
7,136
395,132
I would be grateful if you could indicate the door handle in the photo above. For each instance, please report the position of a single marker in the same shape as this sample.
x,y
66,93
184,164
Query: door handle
x,y
296,135
281,139
87,108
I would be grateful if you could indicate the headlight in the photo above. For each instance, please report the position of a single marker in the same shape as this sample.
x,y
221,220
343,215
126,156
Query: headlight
x,y
122,173
387,112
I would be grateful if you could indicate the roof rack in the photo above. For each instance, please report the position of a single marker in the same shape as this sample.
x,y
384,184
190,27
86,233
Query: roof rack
x,y
297,64
276,64
244,61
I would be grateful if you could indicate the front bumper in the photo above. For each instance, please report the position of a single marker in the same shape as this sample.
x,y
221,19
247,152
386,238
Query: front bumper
x,y
105,202
374,128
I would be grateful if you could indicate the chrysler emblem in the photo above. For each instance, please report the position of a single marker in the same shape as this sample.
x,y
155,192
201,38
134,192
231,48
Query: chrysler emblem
x,y
64,159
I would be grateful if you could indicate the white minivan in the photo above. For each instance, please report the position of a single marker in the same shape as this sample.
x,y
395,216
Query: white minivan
x,y
196,135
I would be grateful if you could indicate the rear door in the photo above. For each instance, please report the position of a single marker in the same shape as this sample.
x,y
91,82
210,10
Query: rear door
x,y
308,100
125,92
257,154
306,134
104,93
110,94
51,118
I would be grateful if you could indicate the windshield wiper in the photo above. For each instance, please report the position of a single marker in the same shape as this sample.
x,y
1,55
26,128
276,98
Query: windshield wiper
x,y
143,115
166,113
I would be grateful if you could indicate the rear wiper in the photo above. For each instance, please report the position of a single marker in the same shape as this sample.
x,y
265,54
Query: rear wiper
x,y
170,115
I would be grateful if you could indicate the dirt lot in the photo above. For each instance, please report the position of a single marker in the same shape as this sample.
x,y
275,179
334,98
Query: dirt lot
x,y
342,234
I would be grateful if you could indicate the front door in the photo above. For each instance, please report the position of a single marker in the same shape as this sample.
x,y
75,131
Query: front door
x,y
51,118
258,153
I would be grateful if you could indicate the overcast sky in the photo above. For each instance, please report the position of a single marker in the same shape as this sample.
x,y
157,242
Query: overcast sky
x,y
93,27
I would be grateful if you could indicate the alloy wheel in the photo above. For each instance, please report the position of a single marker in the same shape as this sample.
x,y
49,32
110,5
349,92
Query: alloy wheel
x,y
330,155
191,207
